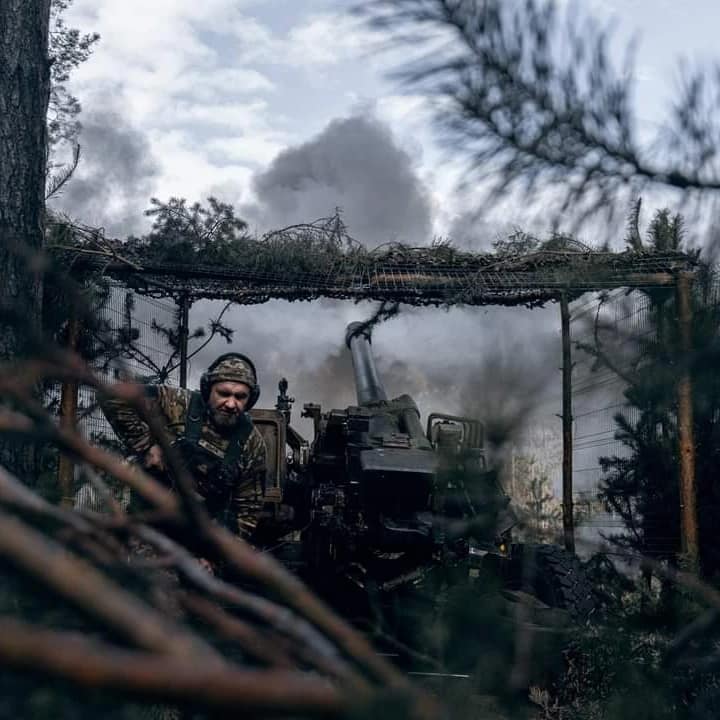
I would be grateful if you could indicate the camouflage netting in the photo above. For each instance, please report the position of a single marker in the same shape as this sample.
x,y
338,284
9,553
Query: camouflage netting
x,y
306,262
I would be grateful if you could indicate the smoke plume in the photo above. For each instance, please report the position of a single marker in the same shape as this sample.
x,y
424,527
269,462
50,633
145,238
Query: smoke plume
x,y
353,164
115,176
462,360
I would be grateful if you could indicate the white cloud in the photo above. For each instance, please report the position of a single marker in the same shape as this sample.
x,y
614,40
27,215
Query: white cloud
x,y
603,7
240,115
326,39
175,69
320,39
144,34
151,50
188,172
221,82
257,149
202,81
401,110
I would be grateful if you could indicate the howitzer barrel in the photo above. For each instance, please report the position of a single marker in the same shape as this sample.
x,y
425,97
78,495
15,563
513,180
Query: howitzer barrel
x,y
367,381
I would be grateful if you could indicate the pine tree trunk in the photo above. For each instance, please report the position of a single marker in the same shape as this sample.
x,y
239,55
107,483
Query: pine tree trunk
x,y
24,95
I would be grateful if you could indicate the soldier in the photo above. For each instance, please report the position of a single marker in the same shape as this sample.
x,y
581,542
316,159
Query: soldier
x,y
214,432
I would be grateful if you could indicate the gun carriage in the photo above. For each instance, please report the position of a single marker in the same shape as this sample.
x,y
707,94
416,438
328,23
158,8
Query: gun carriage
x,y
386,509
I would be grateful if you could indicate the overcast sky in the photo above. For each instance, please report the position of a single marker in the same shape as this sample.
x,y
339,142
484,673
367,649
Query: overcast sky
x,y
282,108
212,92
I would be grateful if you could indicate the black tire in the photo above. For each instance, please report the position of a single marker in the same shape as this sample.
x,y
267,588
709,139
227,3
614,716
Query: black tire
x,y
556,577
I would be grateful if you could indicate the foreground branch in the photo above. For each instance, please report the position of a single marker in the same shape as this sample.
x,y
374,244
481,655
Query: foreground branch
x,y
100,666
85,587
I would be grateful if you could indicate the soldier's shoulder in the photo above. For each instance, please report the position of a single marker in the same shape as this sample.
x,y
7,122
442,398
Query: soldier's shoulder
x,y
174,401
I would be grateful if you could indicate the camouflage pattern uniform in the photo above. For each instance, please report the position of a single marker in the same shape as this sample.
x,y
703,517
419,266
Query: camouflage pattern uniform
x,y
235,498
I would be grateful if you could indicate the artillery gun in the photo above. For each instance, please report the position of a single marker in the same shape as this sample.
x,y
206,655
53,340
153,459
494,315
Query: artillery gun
x,y
387,511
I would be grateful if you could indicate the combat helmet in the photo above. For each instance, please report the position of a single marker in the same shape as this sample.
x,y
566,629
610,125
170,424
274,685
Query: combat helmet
x,y
231,367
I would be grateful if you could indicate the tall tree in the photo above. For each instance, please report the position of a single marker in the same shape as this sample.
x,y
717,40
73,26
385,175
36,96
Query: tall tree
x,y
24,95
641,485
68,49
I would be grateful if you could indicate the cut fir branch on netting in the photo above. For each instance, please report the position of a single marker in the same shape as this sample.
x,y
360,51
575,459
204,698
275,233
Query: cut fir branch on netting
x,y
211,234
307,262
320,259
201,227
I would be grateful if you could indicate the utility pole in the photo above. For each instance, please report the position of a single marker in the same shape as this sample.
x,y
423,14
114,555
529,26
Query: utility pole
x,y
183,336
567,419
686,436
68,416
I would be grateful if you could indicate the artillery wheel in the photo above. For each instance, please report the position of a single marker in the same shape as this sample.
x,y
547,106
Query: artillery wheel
x,y
556,577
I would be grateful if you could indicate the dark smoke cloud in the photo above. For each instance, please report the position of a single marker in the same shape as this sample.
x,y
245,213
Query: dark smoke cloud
x,y
469,231
330,383
353,164
114,181
493,363
509,389
356,165
303,342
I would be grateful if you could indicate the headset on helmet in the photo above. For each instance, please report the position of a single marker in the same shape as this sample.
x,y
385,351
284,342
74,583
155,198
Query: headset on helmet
x,y
206,382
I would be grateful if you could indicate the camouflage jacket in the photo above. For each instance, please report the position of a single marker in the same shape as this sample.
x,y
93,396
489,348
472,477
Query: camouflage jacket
x,y
234,497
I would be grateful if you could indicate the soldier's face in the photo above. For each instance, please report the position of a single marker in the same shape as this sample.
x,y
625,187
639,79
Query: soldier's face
x,y
227,402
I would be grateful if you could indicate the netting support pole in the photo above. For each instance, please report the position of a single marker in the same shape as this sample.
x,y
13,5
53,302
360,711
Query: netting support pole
x,y
567,420
68,416
183,336
686,439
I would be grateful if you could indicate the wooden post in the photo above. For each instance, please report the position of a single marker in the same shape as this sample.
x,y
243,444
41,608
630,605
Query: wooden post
x,y
184,334
567,419
68,417
686,437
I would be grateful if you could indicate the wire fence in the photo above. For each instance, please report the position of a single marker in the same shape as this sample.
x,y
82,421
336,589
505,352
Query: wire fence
x,y
598,397
598,393
150,350
147,349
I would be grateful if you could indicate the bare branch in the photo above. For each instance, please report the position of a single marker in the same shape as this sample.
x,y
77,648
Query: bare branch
x,y
84,586
97,665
